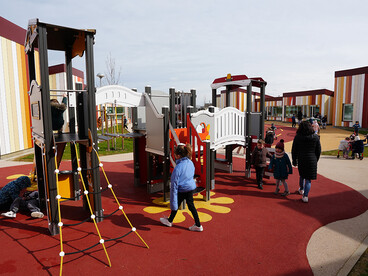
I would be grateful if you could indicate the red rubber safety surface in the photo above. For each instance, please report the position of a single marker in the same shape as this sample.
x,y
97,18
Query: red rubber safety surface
x,y
264,234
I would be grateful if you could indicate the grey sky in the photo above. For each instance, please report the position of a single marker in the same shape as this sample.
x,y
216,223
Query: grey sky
x,y
293,45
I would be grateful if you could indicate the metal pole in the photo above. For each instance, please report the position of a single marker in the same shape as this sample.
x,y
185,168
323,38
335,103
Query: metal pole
x,y
214,97
93,124
173,107
247,129
166,161
262,110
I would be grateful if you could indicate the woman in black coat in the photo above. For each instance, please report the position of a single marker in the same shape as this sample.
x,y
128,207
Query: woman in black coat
x,y
305,154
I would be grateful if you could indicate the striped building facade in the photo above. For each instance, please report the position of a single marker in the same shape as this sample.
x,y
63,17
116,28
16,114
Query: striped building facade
x,y
15,127
273,108
238,99
309,102
15,118
351,97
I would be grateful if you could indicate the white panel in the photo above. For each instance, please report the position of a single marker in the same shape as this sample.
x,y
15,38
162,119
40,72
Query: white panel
x,y
17,98
4,126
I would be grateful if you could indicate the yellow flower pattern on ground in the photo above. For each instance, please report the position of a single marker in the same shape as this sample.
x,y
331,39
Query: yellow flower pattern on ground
x,y
162,206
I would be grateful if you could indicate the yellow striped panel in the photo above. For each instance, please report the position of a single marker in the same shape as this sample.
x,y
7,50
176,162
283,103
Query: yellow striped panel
x,y
22,91
340,101
6,50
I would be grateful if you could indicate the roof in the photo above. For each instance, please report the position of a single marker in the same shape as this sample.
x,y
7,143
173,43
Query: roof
x,y
58,38
11,31
237,81
308,93
351,72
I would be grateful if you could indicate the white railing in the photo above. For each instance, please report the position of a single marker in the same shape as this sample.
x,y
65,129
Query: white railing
x,y
225,127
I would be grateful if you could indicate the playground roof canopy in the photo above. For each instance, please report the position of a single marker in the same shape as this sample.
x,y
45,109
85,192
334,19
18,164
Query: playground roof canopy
x,y
237,81
59,38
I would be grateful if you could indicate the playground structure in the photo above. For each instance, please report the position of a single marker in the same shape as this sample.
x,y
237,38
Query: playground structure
x,y
162,121
54,185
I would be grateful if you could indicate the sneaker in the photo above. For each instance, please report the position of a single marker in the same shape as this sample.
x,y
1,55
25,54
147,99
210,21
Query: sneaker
x,y
260,187
196,228
9,214
285,193
301,192
305,199
165,221
37,215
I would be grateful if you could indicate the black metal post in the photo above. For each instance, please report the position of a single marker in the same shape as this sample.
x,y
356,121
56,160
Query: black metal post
x,y
214,97
49,159
247,129
193,99
262,110
212,157
166,161
173,107
69,86
91,89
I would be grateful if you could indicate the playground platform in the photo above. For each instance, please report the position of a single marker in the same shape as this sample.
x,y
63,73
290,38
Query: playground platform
x,y
246,230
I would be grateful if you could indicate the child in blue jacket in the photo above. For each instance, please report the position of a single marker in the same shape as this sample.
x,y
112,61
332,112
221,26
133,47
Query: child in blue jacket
x,y
281,164
182,186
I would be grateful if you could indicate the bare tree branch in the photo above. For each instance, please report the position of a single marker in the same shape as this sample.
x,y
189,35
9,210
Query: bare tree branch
x,y
112,76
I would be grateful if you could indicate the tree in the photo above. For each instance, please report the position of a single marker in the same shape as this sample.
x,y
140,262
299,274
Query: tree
x,y
112,76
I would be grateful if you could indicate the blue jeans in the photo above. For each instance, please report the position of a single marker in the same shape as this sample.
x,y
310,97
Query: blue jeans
x,y
305,185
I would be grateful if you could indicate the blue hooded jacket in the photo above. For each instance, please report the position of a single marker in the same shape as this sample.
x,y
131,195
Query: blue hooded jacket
x,y
11,190
182,180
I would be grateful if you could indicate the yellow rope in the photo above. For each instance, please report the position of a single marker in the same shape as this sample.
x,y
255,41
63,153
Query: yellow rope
x,y
59,214
116,199
89,204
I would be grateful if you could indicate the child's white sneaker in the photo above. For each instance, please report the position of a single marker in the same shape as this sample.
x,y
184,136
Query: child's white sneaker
x,y
301,192
196,228
37,215
305,199
165,221
9,214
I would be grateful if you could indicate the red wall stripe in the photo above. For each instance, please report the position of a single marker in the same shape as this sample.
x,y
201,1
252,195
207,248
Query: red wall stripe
x,y
348,89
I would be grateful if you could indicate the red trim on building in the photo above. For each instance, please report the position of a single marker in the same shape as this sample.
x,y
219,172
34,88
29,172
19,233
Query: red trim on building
x,y
351,72
348,89
61,68
365,103
233,78
308,93
11,31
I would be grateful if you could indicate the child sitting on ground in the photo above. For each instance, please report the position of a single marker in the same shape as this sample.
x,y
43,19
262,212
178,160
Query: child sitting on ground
x,y
11,191
281,165
29,201
344,146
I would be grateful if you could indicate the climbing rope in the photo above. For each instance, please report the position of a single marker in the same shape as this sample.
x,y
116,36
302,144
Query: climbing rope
x,y
93,217
116,199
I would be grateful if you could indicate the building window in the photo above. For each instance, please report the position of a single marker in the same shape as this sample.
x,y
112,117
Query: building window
x,y
347,112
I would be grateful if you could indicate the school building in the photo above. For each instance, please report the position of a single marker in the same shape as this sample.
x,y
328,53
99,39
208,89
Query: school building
x,y
351,97
15,127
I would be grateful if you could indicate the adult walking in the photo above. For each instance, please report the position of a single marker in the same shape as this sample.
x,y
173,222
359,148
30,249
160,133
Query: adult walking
x,y
305,152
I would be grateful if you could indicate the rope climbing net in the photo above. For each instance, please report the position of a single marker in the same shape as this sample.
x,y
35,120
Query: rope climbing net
x,y
92,217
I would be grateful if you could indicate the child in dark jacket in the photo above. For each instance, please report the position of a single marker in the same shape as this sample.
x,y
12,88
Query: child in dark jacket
x,y
29,201
12,190
281,164
258,159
